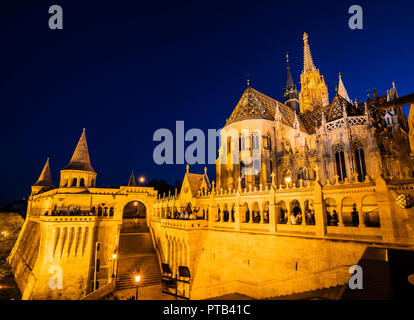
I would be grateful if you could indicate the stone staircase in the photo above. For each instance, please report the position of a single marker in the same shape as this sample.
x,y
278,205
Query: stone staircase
x,y
137,256
331,293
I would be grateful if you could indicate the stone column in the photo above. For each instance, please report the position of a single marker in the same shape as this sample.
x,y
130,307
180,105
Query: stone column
x,y
360,214
340,217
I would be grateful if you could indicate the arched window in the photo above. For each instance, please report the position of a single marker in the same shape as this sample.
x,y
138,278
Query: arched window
x,y
74,182
256,167
340,161
360,160
268,142
105,211
242,174
111,211
301,174
255,141
99,211
229,145
82,182
93,211
243,142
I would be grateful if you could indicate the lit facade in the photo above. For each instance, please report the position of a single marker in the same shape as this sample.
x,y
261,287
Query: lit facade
x,y
302,188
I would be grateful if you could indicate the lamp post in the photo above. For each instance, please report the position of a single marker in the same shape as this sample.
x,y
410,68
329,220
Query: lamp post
x,y
113,265
137,280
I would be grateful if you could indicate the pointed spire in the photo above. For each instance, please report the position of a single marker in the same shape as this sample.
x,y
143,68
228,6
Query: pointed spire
x,y
132,182
289,79
45,179
278,114
342,91
296,122
80,158
307,57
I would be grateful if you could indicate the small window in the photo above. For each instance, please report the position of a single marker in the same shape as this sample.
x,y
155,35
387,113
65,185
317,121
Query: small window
x,y
82,182
74,182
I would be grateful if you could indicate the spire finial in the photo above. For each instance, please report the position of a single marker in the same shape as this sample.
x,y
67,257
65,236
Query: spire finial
x,y
248,80
287,57
187,168
205,170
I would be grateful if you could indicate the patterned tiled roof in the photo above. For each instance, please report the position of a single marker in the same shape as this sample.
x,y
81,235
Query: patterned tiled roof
x,y
312,120
256,105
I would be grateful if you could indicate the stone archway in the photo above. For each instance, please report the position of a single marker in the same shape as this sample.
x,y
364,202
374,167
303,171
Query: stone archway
x,y
134,215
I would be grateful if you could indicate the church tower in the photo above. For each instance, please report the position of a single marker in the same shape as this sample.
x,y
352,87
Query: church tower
x,y
314,92
291,93
79,172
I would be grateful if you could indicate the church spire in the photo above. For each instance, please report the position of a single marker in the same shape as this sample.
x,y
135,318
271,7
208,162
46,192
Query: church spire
x,y
80,158
307,60
314,92
132,181
342,91
45,179
291,93
289,79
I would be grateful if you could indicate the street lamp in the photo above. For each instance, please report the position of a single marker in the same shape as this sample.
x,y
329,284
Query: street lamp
x,y
113,265
141,180
287,180
137,280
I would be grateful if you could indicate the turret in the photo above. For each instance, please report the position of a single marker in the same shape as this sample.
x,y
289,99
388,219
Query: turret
x,y
79,172
342,91
45,181
132,182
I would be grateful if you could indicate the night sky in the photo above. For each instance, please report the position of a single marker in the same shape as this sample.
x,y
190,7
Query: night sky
x,y
123,69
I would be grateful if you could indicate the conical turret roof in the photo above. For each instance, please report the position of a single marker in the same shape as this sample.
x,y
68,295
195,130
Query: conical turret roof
x,y
45,179
80,159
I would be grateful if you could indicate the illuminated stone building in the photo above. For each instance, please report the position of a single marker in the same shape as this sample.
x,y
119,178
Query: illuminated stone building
x,y
302,188
298,195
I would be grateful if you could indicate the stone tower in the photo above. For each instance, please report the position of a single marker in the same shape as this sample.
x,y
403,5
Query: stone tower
x,y
79,172
314,92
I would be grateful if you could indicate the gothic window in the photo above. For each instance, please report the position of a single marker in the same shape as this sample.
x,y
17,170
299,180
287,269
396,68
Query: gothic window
x,y
242,174
340,161
360,160
255,141
267,142
301,174
256,166
243,142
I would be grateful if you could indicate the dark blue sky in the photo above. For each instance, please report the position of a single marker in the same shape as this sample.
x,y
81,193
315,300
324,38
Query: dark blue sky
x,y
123,69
